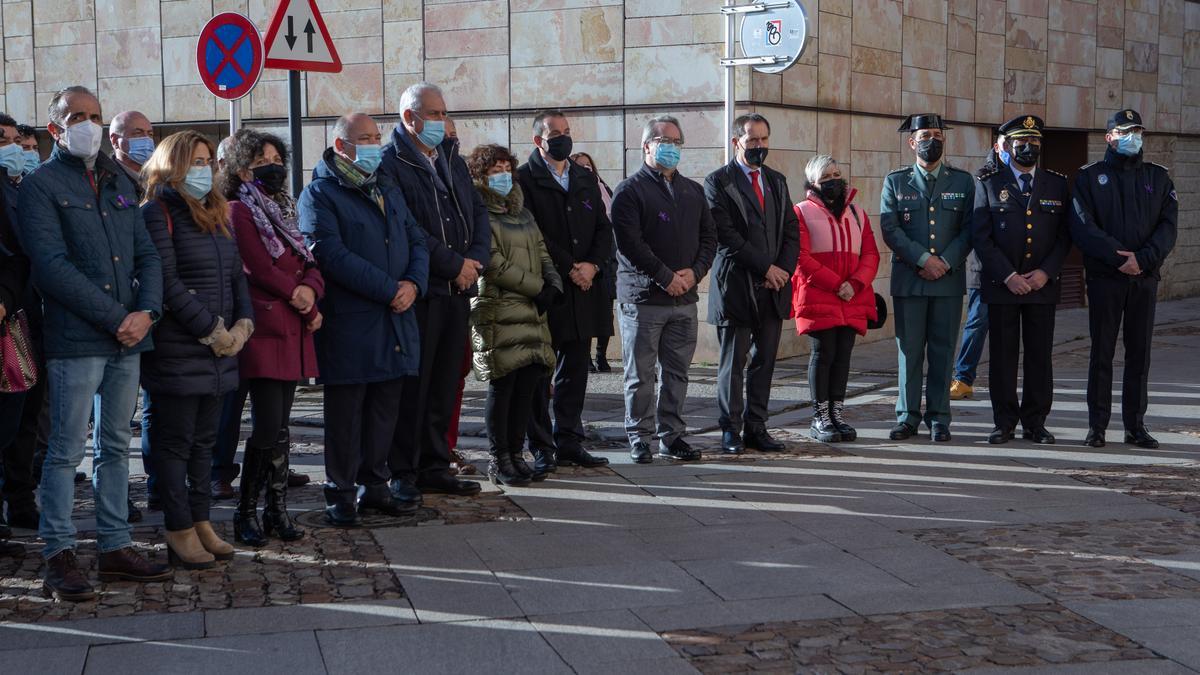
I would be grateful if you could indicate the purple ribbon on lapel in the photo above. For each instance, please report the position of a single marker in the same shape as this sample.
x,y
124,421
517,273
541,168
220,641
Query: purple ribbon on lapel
x,y
587,204
662,215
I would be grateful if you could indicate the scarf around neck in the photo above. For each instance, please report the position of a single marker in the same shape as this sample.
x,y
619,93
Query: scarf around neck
x,y
277,231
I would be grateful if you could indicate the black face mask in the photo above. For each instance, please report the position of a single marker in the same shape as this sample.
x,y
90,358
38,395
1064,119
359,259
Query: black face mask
x,y
929,150
271,177
756,156
1027,155
559,147
450,146
833,191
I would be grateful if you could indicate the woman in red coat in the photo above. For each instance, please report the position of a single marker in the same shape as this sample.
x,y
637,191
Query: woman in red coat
x,y
832,297
284,289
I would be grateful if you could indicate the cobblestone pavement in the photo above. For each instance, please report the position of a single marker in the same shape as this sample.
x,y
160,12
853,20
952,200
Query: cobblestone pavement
x,y
1175,487
930,642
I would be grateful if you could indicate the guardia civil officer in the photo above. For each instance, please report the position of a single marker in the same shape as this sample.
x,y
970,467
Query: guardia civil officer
x,y
1021,237
925,216
1123,219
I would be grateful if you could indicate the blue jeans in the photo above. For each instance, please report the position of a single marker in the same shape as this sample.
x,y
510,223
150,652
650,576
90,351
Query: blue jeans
x,y
973,338
109,384
147,465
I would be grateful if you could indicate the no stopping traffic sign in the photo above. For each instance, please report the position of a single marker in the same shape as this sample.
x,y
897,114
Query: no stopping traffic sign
x,y
229,55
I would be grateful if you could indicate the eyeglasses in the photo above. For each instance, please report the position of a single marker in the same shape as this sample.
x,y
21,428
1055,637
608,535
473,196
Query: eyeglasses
x,y
663,140
210,163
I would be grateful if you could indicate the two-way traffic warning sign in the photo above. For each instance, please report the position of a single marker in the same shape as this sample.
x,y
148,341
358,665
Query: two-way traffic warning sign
x,y
306,44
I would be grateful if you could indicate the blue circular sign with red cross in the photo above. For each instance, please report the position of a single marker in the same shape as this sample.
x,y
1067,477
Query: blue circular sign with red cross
x,y
229,55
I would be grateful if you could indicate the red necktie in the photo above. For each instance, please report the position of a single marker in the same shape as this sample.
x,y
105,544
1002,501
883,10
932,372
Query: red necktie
x,y
762,203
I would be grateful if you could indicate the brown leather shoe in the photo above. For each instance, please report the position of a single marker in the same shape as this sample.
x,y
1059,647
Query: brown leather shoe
x,y
64,580
128,564
223,489
297,479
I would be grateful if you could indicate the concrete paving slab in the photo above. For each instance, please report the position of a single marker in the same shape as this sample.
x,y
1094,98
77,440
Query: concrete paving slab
x,y
260,620
922,565
450,595
101,631
626,585
741,612
1120,615
293,653
916,599
561,550
1178,643
56,660
722,541
601,637
1139,667
508,646
674,666
1187,563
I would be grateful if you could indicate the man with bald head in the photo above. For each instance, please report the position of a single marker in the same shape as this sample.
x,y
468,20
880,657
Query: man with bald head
x,y
373,257
132,139
101,282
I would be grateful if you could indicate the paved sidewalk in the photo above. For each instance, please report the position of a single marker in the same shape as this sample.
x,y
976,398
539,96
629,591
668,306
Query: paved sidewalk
x,y
865,557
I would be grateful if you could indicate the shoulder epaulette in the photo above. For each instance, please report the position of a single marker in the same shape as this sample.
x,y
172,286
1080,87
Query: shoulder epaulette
x,y
989,174
900,170
1085,167
1056,173
955,168
1159,166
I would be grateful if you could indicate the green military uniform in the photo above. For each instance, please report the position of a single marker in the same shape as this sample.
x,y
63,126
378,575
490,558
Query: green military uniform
x,y
924,215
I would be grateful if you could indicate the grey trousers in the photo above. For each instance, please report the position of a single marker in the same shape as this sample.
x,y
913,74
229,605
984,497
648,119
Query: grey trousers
x,y
662,338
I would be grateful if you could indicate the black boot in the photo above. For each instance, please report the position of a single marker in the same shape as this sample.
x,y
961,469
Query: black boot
x,y
502,472
835,415
275,517
822,428
544,461
246,528
523,468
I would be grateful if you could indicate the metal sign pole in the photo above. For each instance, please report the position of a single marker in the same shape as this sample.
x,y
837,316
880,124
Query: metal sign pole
x,y
730,78
235,116
297,138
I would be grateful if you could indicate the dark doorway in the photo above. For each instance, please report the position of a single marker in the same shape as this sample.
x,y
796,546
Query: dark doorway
x,y
1066,151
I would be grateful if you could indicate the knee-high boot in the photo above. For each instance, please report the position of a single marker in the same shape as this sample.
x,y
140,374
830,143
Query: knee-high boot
x,y
246,527
275,514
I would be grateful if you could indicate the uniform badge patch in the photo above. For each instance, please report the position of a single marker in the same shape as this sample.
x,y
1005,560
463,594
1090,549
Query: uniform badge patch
x,y
1004,195
1102,179
907,216
1174,196
1050,202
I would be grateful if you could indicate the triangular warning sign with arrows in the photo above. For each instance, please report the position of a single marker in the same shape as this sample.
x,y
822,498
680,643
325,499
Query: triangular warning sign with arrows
x,y
299,40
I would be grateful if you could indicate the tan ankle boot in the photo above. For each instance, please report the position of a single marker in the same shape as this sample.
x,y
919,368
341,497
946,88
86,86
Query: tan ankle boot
x,y
212,543
185,550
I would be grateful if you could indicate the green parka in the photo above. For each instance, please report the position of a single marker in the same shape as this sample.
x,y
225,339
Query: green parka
x,y
507,331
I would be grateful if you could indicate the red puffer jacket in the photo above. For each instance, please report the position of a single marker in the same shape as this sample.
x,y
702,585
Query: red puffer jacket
x,y
833,252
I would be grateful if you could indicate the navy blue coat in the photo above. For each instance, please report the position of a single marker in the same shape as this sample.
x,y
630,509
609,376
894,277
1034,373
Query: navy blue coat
x,y
202,280
363,253
91,256
446,205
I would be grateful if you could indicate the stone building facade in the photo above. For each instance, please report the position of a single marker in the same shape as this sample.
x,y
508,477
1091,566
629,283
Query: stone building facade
x,y
614,63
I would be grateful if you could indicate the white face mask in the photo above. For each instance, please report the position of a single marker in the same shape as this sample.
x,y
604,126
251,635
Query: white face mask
x,y
83,139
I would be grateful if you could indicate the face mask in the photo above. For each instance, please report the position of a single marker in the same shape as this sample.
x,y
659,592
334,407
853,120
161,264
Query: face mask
x,y
559,147
666,155
368,157
12,159
756,156
1129,144
450,146
929,150
271,178
32,160
1027,155
140,149
500,183
432,133
83,139
198,182
833,190
1005,158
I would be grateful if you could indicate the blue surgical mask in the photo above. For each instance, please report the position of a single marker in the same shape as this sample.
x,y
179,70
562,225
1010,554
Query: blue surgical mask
x,y
432,133
501,183
140,149
367,157
1005,157
33,159
666,155
198,182
1129,144
12,160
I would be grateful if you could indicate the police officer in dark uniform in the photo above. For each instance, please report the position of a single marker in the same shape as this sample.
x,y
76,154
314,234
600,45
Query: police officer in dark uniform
x,y
1124,219
1021,235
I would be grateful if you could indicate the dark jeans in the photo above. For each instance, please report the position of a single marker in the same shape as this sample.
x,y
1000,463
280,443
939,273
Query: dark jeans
x,y
229,434
507,409
570,389
975,332
183,434
1114,304
829,363
270,410
420,446
360,423
18,441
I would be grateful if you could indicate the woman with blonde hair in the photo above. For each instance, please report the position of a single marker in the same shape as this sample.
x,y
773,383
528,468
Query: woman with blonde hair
x,y
206,320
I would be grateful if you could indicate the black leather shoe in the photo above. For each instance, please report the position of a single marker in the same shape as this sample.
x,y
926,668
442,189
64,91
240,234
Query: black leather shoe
x,y
544,461
1000,436
602,364
759,439
577,456
902,431
1094,439
1141,438
640,452
679,450
444,483
731,443
1039,435
940,433
404,492
386,505
341,515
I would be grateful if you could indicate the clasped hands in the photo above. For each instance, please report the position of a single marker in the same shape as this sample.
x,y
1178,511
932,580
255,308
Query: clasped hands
x,y
229,342
1130,266
934,268
469,274
1021,284
582,274
406,295
682,282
